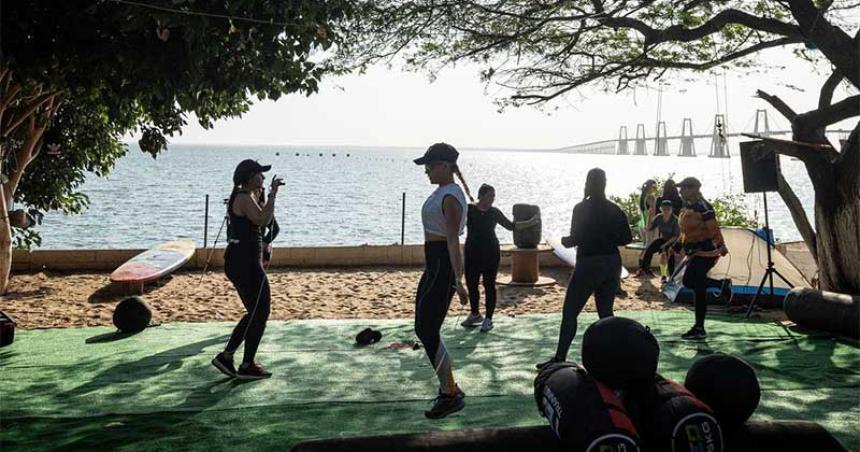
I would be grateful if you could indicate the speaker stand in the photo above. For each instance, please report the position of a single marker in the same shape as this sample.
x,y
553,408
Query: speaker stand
x,y
770,270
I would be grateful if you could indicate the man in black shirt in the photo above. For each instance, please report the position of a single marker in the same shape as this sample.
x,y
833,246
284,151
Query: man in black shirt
x,y
597,228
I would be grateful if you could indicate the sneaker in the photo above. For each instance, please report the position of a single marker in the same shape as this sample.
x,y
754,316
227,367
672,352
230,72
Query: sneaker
x,y
487,325
445,404
544,364
695,333
664,280
726,291
224,364
252,372
472,320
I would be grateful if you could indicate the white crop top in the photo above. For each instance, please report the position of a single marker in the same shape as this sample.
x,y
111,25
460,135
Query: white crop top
x,y
431,211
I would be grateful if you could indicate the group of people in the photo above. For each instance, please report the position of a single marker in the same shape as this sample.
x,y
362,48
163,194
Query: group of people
x,y
598,229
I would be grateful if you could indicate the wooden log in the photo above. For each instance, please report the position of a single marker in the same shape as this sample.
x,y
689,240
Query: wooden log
x,y
782,436
827,311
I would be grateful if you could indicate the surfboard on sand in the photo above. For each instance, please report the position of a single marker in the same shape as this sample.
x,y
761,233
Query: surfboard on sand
x,y
154,263
568,255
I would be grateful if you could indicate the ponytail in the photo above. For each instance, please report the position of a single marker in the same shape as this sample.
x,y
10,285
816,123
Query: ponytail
x,y
456,170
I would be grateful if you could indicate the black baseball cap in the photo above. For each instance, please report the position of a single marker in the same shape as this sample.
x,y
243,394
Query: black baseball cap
x,y
439,152
689,182
247,168
666,202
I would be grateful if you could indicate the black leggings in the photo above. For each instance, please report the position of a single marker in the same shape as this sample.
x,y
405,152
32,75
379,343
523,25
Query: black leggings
x,y
696,278
250,280
432,300
482,261
653,247
598,275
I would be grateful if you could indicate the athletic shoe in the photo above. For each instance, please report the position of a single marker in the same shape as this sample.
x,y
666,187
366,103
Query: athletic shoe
x,y
487,325
224,364
663,280
252,372
445,404
544,364
726,291
695,333
472,320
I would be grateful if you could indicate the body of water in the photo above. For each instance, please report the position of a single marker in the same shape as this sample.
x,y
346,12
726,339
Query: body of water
x,y
352,196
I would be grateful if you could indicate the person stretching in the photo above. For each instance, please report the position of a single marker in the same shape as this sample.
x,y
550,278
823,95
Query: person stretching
x,y
667,225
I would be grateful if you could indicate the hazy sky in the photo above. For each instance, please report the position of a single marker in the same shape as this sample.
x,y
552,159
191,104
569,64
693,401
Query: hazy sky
x,y
389,107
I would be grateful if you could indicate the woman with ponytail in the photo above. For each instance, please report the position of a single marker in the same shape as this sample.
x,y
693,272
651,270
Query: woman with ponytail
x,y
243,264
597,228
444,218
482,254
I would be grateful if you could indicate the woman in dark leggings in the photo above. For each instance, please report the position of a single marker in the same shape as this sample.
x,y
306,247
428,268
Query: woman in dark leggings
x,y
243,264
482,254
597,228
444,218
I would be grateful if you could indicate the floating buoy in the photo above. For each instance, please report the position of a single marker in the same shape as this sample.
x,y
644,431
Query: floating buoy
x,y
277,153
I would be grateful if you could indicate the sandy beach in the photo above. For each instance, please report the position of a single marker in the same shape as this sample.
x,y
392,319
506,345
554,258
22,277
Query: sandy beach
x,y
57,300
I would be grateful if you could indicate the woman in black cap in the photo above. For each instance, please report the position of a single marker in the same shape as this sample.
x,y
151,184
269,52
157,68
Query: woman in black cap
x,y
444,217
597,228
243,264
703,244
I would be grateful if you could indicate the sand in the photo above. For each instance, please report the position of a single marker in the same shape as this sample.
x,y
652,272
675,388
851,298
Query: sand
x,y
51,300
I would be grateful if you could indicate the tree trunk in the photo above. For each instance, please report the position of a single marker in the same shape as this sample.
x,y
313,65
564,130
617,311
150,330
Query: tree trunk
x,y
838,242
5,241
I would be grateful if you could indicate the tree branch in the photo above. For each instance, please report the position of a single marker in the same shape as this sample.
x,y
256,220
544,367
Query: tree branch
x,y
724,59
795,208
806,125
778,104
832,41
848,164
826,96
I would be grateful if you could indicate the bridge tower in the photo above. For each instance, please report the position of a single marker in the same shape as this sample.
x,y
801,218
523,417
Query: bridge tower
x,y
622,141
639,146
688,145
661,141
762,128
719,145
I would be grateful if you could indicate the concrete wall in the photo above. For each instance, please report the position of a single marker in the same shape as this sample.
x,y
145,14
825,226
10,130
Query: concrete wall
x,y
342,256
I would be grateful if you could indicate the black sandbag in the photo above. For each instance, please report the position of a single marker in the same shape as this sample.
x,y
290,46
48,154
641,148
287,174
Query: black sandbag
x,y
827,311
131,315
528,237
620,352
670,418
728,385
582,412
7,329
755,436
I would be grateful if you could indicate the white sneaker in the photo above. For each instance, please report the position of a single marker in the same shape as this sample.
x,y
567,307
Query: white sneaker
x,y
472,320
487,325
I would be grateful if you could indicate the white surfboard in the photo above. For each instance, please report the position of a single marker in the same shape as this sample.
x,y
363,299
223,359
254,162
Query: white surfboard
x,y
568,255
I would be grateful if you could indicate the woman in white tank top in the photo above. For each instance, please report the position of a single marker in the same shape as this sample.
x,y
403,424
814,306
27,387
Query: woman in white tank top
x,y
444,218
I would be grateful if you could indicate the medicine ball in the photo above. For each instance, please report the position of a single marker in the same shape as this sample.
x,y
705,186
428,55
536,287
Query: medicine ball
x,y
620,352
583,413
670,418
527,237
728,385
131,315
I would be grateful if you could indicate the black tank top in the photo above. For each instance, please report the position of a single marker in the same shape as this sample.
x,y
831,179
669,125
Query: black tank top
x,y
245,237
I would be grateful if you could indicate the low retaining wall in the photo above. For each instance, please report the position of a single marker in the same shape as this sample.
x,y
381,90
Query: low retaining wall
x,y
341,256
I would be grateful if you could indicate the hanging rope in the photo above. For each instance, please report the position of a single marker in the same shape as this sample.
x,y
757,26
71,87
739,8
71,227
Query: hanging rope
x,y
199,13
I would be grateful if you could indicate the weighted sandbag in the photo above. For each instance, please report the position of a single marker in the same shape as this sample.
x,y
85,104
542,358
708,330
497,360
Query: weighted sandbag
x,y
7,329
670,418
620,352
827,311
583,413
755,436
528,237
131,315
728,385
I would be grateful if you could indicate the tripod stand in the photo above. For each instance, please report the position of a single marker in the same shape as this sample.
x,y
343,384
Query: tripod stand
x,y
770,271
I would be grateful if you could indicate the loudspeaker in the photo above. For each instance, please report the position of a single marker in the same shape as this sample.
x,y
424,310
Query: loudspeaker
x,y
760,167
